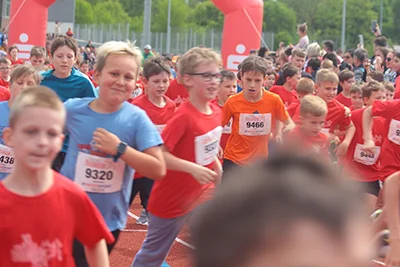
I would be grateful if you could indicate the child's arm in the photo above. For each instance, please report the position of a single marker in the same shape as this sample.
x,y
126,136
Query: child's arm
x,y
367,123
289,125
97,256
391,198
150,163
218,170
202,174
226,113
341,150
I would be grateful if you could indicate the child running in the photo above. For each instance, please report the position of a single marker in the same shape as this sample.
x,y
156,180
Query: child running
x,y
42,211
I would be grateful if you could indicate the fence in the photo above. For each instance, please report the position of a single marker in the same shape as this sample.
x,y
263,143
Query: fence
x,y
181,40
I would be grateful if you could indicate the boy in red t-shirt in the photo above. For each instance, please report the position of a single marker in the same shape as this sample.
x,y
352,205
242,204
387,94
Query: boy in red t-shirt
x,y
356,96
227,87
346,81
160,110
366,166
191,144
304,87
42,211
313,111
177,90
5,70
287,91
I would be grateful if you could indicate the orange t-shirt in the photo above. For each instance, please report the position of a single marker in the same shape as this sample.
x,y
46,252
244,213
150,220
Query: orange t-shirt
x,y
252,124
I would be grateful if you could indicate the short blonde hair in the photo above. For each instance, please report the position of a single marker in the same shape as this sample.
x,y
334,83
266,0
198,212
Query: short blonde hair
x,y
305,86
191,60
35,96
117,48
388,86
313,50
325,75
313,105
327,64
21,71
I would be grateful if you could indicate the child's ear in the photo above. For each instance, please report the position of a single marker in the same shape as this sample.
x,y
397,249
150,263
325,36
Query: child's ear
x,y
96,76
145,81
316,88
7,136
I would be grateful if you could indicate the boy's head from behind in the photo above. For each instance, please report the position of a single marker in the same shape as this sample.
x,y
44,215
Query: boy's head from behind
x,y
21,77
373,91
304,87
313,111
375,76
37,56
301,213
291,76
326,83
389,90
156,74
356,96
118,65
37,120
346,80
200,70
228,85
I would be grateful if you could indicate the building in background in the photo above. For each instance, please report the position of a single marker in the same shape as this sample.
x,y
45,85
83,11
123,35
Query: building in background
x,y
62,11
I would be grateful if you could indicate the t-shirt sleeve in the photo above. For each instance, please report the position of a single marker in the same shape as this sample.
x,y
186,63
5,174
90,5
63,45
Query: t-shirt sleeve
x,y
386,109
68,107
146,134
344,121
175,130
280,111
90,226
226,112
88,89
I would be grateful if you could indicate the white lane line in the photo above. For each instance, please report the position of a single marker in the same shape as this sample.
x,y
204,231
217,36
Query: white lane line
x,y
176,239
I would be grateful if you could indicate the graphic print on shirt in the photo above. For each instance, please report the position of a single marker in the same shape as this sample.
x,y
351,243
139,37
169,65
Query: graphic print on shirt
x,y
96,172
38,255
6,155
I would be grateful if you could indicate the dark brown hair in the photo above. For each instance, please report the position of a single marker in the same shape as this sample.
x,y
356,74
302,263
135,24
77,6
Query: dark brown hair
x,y
345,75
254,64
376,76
227,74
64,40
289,71
154,66
372,86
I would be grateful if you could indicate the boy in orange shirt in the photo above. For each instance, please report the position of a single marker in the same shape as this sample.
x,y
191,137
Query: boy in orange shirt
x,y
287,91
191,144
313,111
227,88
346,81
254,112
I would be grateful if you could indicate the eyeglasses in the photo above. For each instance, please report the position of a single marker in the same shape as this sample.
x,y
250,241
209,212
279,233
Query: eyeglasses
x,y
208,76
5,68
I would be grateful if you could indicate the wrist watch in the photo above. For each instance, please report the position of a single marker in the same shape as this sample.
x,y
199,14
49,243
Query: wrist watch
x,y
120,151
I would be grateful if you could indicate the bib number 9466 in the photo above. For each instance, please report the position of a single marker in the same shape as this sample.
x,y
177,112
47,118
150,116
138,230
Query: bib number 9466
x,y
255,124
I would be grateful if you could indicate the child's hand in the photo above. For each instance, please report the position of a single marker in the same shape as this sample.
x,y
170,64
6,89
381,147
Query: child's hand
x,y
220,153
347,112
203,175
105,141
341,150
369,146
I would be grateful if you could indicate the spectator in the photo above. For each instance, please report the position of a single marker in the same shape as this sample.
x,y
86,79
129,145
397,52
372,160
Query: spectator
x,y
147,53
57,28
69,33
302,32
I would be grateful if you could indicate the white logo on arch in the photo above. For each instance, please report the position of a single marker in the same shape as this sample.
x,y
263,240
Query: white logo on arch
x,y
235,60
23,47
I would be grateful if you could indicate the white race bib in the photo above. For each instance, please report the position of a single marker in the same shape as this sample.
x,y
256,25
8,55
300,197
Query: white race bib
x,y
6,159
365,157
394,132
207,146
325,131
228,128
99,175
255,124
160,128
137,92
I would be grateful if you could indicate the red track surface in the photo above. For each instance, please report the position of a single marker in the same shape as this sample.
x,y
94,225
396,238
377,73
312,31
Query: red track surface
x,y
130,241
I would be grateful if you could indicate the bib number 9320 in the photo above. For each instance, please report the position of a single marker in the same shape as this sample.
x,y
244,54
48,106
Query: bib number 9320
x,y
100,175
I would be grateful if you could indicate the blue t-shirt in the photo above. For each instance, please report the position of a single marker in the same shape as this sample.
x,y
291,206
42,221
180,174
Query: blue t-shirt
x,y
131,125
77,85
4,118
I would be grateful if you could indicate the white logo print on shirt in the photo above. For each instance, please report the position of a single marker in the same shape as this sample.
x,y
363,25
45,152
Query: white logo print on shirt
x,y
38,255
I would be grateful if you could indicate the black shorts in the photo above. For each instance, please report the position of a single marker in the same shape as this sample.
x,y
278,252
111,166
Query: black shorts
x,y
372,188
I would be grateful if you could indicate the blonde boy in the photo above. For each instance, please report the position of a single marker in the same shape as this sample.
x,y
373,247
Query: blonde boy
x,y
38,56
58,210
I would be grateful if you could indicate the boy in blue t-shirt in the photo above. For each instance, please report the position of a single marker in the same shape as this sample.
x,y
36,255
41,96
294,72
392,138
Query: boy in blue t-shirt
x,y
110,139
66,81
21,77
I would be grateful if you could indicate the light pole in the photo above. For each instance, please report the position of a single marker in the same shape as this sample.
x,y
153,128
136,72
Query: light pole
x,y
344,25
146,23
381,18
169,28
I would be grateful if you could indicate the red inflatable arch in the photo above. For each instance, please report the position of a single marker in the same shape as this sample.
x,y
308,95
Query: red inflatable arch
x,y
242,29
28,24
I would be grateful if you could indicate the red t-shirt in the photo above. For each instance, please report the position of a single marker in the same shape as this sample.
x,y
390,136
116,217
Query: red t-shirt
x,y
17,62
177,92
343,100
366,167
288,97
159,116
226,131
335,118
192,136
293,107
397,85
40,230
4,83
390,153
318,143
4,94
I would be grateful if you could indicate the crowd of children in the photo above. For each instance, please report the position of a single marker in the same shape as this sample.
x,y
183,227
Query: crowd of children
x,y
83,144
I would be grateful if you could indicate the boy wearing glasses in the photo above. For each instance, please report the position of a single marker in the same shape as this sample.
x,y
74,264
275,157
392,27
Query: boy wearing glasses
x,y
5,69
254,113
191,144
